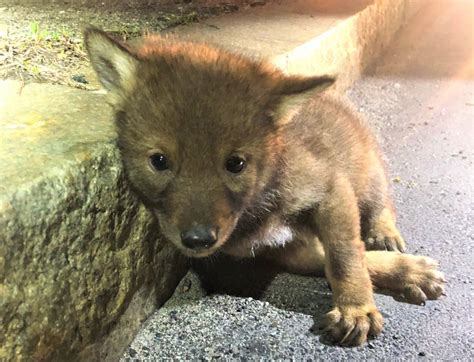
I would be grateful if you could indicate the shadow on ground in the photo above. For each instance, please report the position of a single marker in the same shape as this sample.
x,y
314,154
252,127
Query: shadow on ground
x,y
258,278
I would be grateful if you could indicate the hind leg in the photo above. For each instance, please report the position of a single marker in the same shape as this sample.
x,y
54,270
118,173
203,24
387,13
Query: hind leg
x,y
409,278
382,232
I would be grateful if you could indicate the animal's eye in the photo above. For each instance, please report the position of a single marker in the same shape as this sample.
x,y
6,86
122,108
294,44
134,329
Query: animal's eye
x,y
235,164
159,162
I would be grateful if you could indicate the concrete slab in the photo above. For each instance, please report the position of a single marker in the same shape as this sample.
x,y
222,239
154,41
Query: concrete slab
x,y
311,38
265,32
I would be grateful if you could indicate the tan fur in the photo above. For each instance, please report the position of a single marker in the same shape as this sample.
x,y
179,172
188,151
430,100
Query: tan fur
x,y
383,233
312,189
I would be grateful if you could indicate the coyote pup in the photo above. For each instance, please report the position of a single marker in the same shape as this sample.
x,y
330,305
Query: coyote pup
x,y
220,149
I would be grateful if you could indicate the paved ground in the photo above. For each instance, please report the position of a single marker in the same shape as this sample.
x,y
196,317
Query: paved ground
x,y
420,99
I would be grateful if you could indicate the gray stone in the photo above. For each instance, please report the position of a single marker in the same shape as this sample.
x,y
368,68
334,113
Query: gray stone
x,y
78,252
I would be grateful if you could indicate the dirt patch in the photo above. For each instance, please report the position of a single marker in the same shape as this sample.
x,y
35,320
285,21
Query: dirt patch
x,y
44,43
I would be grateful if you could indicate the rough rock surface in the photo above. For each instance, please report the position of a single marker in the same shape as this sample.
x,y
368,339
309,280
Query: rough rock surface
x,y
76,247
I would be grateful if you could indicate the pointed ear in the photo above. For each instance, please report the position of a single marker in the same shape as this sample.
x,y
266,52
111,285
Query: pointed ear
x,y
294,91
113,62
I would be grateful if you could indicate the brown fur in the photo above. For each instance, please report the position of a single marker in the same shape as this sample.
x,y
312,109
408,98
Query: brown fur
x,y
314,184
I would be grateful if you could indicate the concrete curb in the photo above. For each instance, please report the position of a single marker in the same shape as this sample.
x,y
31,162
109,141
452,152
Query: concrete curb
x,y
300,37
349,48
80,264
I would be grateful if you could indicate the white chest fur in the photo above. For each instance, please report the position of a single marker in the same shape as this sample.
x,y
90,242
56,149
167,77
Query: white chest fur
x,y
274,234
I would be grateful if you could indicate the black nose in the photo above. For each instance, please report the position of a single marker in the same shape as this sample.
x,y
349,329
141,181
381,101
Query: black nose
x,y
199,237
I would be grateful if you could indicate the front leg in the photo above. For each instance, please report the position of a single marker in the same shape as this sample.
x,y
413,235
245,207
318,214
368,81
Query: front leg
x,y
355,316
383,233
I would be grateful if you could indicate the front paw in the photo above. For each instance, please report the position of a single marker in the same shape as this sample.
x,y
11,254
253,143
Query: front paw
x,y
383,234
389,240
351,325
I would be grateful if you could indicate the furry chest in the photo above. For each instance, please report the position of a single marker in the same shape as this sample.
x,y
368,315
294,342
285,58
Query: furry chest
x,y
274,235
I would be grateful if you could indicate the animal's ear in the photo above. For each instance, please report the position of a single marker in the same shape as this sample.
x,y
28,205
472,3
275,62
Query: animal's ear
x,y
114,64
294,91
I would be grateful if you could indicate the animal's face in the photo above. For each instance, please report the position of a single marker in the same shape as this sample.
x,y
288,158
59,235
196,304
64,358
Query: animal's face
x,y
199,130
198,165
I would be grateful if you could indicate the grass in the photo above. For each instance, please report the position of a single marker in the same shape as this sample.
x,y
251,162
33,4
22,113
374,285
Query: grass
x,y
43,56
44,44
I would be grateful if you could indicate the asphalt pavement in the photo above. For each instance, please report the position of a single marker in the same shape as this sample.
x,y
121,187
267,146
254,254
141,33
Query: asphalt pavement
x,y
419,98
